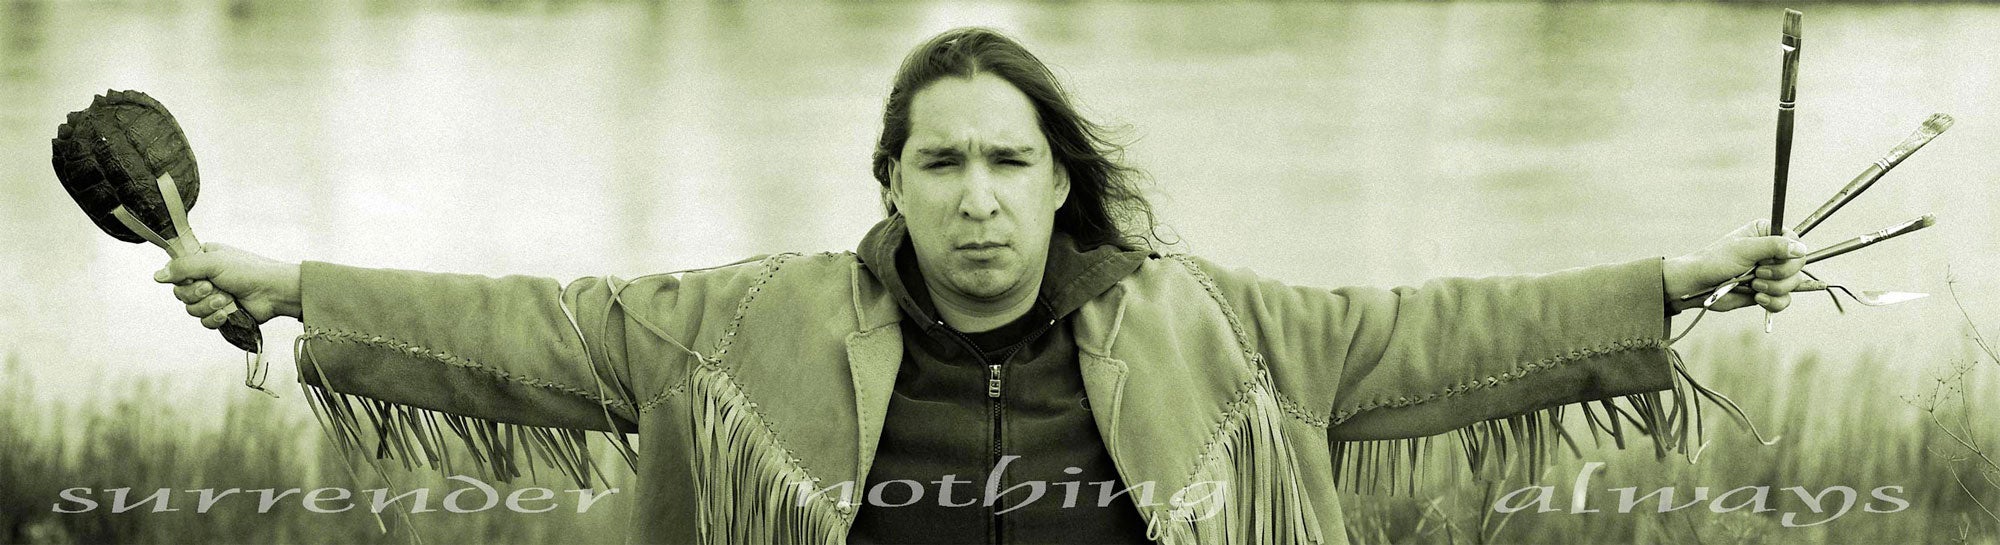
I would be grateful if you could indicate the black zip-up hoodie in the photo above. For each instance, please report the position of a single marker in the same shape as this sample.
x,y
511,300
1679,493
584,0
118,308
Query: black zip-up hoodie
x,y
965,402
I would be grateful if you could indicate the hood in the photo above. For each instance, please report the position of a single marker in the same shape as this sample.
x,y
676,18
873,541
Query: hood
x,y
1071,277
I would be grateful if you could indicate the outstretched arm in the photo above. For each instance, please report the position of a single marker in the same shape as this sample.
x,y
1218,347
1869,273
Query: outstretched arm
x,y
517,350
1416,361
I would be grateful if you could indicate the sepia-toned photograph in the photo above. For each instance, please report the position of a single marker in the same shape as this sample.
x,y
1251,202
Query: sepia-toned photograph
x,y
791,271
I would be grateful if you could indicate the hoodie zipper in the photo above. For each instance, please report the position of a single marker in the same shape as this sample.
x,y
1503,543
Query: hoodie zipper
x,y
994,382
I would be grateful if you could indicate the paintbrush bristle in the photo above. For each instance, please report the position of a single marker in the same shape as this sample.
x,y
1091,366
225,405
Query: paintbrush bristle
x,y
1937,123
1792,22
1926,221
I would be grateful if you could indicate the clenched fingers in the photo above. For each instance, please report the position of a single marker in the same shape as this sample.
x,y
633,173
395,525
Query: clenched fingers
x,y
1778,287
1774,303
194,292
211,304
220,317
1778,269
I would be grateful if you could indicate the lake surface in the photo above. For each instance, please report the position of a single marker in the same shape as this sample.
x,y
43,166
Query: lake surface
x,y
1370,144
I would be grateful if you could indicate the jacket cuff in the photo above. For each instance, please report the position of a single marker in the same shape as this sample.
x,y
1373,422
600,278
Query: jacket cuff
x,y
1633,312
346,310
1630,313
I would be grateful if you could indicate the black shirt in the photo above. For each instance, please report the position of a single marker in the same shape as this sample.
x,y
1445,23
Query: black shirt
x,y
945,433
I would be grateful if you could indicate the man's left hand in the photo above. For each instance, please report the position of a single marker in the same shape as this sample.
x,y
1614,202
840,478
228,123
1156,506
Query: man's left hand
x,y
1777,260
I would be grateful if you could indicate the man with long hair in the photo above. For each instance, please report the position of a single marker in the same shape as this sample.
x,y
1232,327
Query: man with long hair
x,y
1008,357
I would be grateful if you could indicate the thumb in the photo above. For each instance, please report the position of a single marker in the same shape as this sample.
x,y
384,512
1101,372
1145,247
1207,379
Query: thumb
x,y
189,267
1756,228
1753,250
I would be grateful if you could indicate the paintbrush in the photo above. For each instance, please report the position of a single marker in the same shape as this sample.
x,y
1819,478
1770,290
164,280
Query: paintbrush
x,y
1931,129
1787,102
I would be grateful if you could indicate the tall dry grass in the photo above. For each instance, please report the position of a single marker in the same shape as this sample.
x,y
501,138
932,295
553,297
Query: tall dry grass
x,y
135,438
1839,426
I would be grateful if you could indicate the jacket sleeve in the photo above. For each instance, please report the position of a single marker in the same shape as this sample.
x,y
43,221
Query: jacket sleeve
x,y
514,350
1415,361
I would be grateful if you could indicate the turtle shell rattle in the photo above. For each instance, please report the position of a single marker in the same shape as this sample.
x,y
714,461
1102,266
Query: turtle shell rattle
x,y
126,162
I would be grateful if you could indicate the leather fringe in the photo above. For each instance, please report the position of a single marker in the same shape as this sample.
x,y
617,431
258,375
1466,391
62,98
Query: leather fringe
x,y
751,489
1265,498
1523,445
423,438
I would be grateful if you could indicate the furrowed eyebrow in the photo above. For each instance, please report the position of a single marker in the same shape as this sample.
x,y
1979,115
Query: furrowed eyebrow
x,y
1014,151
948,152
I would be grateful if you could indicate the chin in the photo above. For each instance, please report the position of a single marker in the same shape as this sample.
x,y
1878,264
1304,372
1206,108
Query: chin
x,y
984,284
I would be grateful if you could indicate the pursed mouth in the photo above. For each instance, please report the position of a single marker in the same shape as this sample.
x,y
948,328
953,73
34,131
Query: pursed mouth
x,y
982,245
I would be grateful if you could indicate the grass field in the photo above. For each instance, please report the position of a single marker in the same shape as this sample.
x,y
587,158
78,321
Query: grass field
x,y
1839,427
135,439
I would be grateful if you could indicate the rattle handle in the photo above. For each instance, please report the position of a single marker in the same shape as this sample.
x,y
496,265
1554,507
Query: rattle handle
x,y
241,330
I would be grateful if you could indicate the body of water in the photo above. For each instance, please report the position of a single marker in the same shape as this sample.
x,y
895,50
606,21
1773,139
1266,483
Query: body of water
x,y
1376,144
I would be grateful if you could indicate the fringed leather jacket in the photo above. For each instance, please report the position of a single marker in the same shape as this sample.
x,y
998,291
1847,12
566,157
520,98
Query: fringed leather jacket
x,y
757,389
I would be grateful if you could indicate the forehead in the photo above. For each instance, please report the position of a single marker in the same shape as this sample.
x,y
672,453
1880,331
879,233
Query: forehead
x,y
983,110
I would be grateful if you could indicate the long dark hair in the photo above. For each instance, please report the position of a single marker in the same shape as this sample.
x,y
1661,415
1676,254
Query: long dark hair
x,y
1104,197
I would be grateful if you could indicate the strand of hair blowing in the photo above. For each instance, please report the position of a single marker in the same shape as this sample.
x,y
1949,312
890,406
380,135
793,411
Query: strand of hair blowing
x,y
1106,204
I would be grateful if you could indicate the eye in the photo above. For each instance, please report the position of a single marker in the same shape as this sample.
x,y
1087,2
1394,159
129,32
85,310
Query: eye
x,y
940,164
1014,162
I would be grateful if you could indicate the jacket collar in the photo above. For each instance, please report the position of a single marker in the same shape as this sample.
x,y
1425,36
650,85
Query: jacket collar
x,y
1071,276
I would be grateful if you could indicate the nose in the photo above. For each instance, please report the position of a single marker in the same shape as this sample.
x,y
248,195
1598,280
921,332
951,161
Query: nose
x,y
978,202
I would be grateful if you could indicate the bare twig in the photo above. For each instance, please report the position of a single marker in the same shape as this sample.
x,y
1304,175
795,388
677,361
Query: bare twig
x,y
1954,384
1951,284
1969,494
1962,441
1966,440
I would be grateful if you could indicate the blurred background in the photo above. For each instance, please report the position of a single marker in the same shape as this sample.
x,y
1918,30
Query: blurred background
x,y
1360,144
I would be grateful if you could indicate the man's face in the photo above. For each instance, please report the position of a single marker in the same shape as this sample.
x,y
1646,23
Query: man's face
x,y
979,188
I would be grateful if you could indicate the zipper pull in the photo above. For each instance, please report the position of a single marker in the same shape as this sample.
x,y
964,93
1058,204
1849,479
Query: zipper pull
x,y
993,381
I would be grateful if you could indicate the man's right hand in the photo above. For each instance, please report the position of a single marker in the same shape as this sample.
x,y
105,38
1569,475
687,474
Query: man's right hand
x,y
214,282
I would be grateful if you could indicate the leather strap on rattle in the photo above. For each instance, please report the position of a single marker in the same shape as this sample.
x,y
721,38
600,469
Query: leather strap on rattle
x,y
240,325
